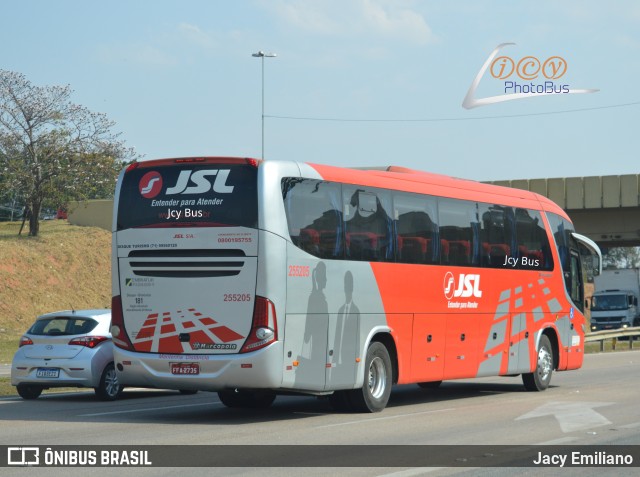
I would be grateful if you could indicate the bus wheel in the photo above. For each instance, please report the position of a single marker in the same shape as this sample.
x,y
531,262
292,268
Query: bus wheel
x,y
539,380
374,395
244,398
430,385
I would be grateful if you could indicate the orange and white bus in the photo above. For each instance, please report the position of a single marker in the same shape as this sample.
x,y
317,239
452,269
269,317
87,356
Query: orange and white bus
x,y
253,278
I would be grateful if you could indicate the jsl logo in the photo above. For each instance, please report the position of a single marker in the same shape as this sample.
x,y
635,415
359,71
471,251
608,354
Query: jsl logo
x,y
188,183
202,184
150,185
468,285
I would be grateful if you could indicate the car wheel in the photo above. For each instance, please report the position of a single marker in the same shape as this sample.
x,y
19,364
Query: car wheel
x,y
29,391
109,388
374,395
539,380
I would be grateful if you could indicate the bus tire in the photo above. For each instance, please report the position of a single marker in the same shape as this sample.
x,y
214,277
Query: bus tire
x,y
29,391
374,394
246,399
539,380
430,384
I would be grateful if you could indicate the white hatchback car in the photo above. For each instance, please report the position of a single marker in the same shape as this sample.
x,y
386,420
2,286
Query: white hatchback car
x,y
67,349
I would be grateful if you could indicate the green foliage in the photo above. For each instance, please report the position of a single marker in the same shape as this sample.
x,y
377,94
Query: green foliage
x,y
621,257
53,151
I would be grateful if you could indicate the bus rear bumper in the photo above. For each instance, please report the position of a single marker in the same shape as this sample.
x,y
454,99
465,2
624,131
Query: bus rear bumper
x,y
260,369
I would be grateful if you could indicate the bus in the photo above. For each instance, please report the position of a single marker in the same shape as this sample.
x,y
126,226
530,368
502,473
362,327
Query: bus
x,y
255,278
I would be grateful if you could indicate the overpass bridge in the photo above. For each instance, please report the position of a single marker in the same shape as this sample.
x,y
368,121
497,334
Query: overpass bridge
x,y
604,208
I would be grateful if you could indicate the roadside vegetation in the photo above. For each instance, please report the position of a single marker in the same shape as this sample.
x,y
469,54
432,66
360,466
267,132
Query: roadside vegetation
x,y
64,267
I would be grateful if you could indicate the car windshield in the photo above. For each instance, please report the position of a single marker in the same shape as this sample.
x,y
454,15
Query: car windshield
x,y
62,325
609,302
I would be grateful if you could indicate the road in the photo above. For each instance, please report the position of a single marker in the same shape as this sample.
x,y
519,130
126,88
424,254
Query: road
x,y
593,406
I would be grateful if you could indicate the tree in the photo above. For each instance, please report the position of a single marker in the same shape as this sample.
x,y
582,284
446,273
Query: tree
x,y
621,257
52,150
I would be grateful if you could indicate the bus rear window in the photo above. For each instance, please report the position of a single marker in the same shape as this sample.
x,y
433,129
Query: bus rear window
x,y
189,195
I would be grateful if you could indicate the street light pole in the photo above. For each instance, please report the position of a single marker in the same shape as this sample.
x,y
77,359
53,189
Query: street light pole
x,y
262,55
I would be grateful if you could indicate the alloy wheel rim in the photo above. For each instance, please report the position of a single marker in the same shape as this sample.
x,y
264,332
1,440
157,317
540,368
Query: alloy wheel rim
x,y
111,382
544,364
377,378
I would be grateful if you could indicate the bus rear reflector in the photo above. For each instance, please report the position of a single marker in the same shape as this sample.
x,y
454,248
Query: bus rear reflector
x,y
118,331
264,327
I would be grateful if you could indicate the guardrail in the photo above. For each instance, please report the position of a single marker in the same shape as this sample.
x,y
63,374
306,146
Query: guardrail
x,y
604,335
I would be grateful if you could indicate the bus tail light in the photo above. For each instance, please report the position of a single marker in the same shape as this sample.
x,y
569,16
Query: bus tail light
x,y
264,328
118,331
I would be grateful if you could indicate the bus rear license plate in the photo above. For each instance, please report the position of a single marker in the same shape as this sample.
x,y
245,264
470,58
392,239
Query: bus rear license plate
x,y
47,373
185,368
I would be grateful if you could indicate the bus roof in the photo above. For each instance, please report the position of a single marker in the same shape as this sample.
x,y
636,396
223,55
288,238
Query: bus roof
x,y
411,180
397,177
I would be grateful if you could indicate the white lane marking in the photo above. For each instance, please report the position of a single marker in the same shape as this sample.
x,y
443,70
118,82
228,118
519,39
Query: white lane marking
x,y
386,418
414,471
572,416
145,409
561,440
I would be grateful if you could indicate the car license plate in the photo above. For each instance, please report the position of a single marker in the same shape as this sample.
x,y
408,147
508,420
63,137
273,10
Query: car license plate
x,y
47,373
185,368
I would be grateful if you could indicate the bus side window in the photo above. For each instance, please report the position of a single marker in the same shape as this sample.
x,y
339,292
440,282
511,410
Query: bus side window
x,y
458,227
534,252
496,235
314,216
417,237
368,226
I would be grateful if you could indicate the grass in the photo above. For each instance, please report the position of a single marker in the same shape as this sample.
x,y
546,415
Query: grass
x,y
65,267
6,389
8,347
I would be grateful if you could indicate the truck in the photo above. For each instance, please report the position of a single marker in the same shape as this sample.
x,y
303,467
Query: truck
x,y
615,301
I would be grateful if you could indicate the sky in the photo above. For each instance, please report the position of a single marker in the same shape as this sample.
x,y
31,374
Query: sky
x,y
354,83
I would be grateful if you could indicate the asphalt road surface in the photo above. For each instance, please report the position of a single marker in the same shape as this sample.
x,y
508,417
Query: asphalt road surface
x,y
596,405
